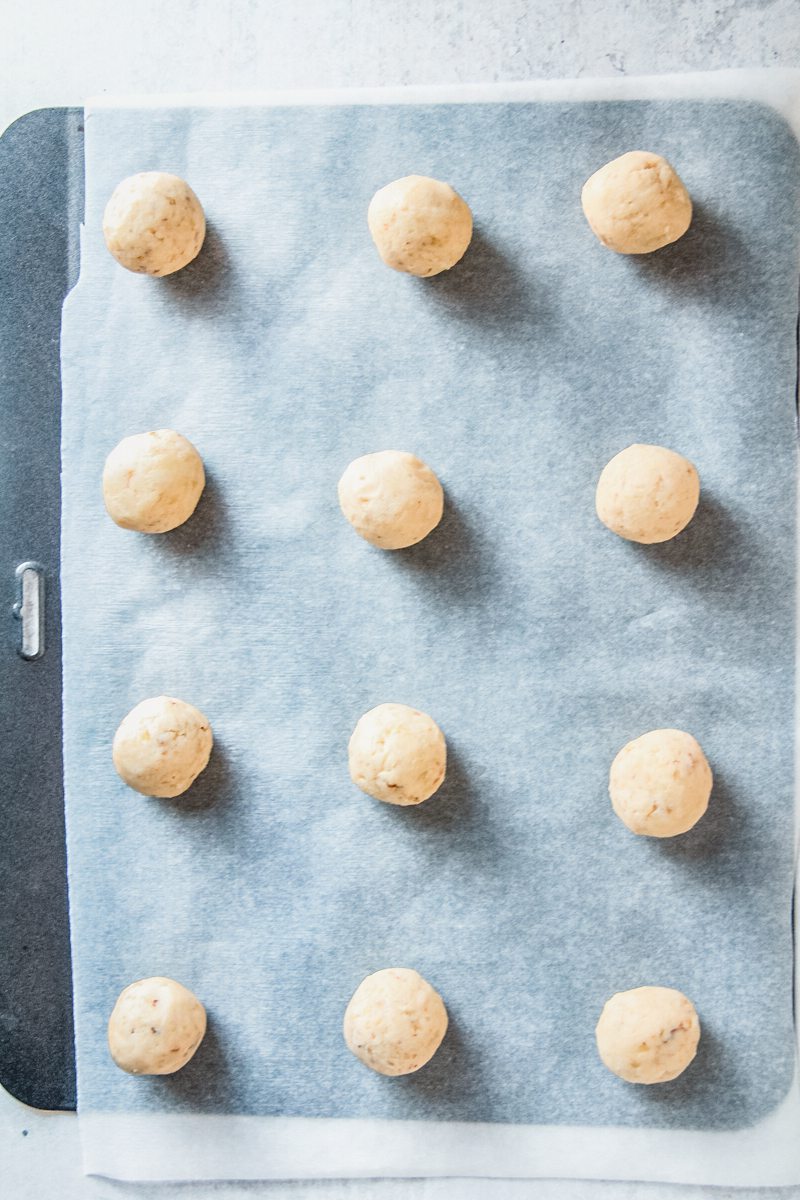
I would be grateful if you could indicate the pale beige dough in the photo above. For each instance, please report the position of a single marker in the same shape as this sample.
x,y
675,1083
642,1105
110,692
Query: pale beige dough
x,y
392,499
397,754
155,1027
660,783
637,203
395,1021
162,746
648,1035
420,225
154,224
647,494
153,481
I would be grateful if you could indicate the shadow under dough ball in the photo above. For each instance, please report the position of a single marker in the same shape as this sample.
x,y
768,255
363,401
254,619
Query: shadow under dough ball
x,y
154,224
637,203
155,1027
392,499
648,1035
419,225
397,754
647,494
152,482
395,1021
162,746
660,783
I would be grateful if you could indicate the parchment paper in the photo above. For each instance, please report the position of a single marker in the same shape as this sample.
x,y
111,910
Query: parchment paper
x,y
538,641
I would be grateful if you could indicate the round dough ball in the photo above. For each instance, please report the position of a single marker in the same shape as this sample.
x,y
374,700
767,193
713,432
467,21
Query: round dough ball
x,y
155,1028
153,481
637,203
648,1035
154,224
420,226
162,746
395,1021
647,494
660,783
392,499
397,754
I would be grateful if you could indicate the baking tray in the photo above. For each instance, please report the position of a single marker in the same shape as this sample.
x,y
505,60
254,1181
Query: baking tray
x,y
41,202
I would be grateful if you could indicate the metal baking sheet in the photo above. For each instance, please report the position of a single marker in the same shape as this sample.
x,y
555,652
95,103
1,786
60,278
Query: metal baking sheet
x,y
41,204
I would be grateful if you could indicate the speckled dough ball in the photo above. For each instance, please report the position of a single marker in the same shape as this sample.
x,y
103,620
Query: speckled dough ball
x,y
153,481
392,499
154,224
397,754
162,746
660,783
647,494
395,1021
420,226
637,203
155,1028
648,1035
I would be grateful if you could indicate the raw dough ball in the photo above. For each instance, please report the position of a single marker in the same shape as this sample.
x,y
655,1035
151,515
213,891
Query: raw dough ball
x,y
391,498
395,1021
648,1035
419,225
647,494
397,754
637,203
162,746
154,224
153,481
155,1028
660,783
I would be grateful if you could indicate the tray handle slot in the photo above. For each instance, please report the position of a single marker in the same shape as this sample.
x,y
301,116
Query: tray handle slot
x,y
29,610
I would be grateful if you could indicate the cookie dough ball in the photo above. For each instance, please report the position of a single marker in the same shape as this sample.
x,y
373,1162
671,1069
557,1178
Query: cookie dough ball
x,y
155,1028
660,783
154,224
420,226
397,754
392,499
395,1021
637,203
647,494
162,746
648,1035
153,481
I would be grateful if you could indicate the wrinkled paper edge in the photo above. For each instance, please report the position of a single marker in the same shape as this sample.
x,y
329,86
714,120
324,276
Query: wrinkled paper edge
x,y
171,1147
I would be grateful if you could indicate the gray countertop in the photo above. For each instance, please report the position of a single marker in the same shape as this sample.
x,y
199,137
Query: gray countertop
x,y
200,44
189,45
